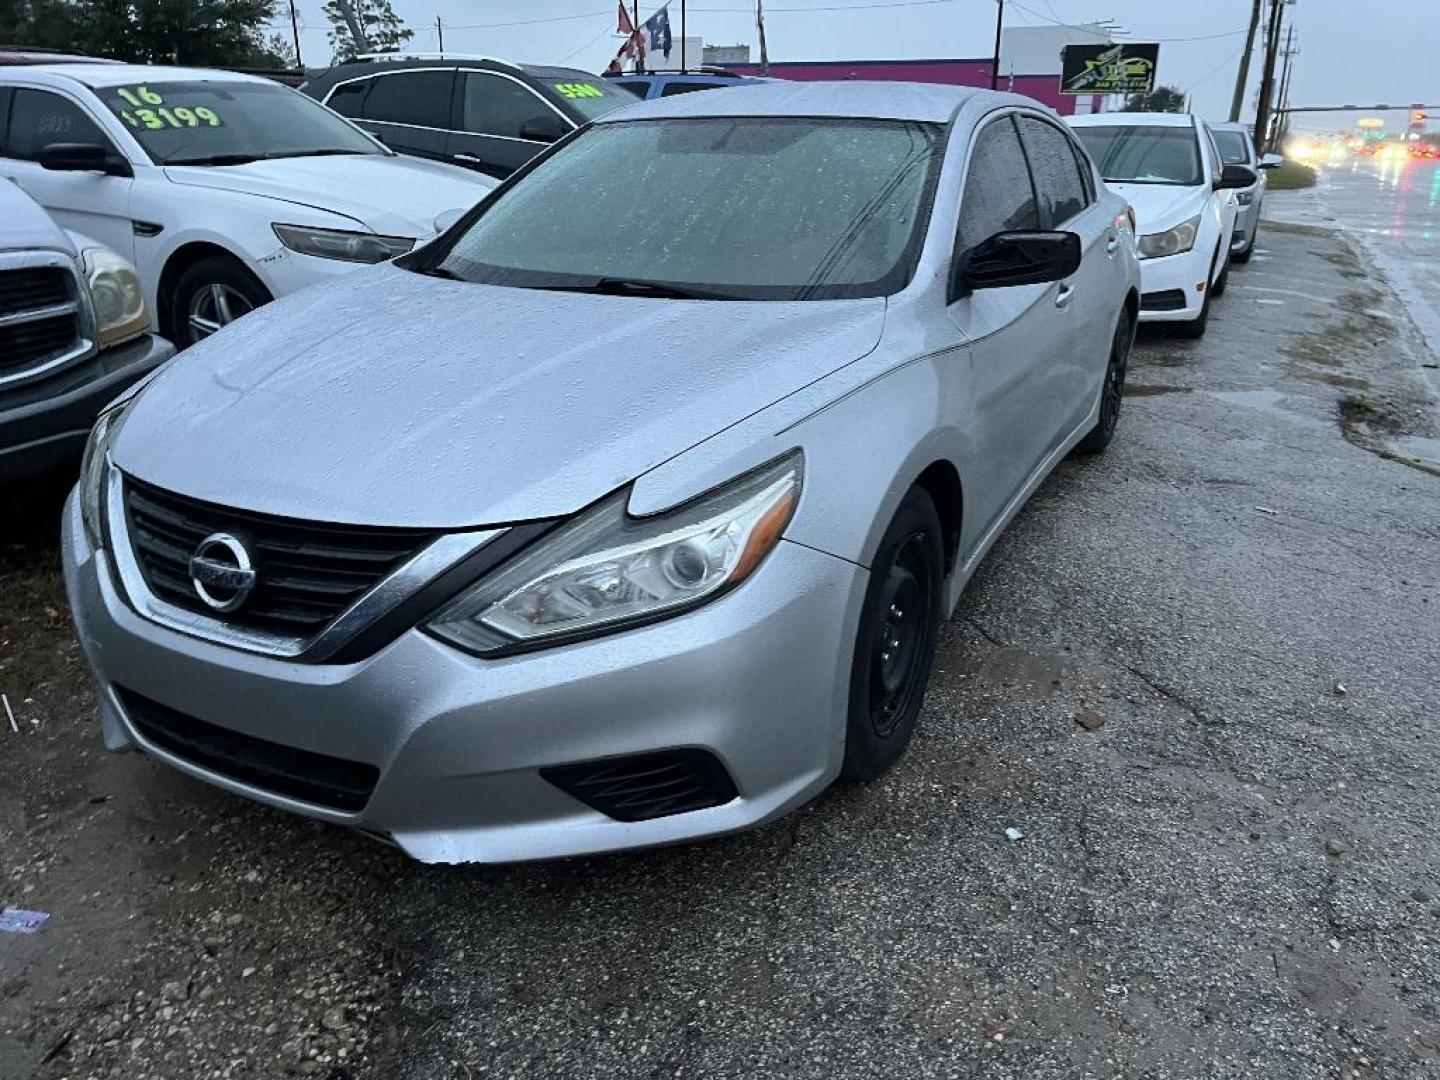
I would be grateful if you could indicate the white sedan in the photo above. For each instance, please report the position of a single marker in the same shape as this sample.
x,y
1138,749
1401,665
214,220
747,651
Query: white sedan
x,y
1168,167
224,190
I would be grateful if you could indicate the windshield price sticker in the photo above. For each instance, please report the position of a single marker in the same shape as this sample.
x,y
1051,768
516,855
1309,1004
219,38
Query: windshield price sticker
x,y
579,90
148,110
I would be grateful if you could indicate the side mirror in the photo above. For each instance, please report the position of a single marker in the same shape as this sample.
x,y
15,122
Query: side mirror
x,y
1015,258
82,157
1237,176
543,129
1271,161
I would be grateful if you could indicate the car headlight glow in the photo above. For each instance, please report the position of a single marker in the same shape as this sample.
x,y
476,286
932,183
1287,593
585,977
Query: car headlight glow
x,y
1171,241
605,570
116,296
338,244
92,471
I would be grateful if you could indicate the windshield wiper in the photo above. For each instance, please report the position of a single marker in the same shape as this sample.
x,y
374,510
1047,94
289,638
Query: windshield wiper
x,y
215,159
329,151
615,286
440,272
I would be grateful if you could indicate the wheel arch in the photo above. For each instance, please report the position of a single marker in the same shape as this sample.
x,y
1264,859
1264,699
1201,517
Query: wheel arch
x,y
183,258
941,481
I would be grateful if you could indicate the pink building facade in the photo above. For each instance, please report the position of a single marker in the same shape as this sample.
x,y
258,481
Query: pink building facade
x,y
1043,88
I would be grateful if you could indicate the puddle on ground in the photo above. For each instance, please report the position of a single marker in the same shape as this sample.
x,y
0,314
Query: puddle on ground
x,y
1265,401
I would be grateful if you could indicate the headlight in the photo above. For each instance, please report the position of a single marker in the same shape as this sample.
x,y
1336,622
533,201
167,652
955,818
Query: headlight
x,y
1172,241
1244,198
346,246
116,295
605,571
92,471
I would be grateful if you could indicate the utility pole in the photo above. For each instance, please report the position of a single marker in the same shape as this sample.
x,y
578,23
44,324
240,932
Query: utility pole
x,y
995,62
764,68
1283,118
1244,73
682,36
1267,77
639,39
295,29
440,33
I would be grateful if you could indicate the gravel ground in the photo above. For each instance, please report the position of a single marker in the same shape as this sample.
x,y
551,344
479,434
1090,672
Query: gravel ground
x,y
1198,675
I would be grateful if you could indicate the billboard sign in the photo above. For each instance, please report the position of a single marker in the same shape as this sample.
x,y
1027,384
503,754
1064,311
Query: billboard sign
x,y
1124,68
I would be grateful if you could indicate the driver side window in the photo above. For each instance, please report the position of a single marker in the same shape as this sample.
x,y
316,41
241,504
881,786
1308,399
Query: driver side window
x,y
495,105
999,195
40,117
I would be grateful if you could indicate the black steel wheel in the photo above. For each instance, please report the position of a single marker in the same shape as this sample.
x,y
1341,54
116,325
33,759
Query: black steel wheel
x,y
1112,395
895,641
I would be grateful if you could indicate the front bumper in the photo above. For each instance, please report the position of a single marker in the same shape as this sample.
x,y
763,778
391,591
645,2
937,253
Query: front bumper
x,y
1172,288
759,678
44,424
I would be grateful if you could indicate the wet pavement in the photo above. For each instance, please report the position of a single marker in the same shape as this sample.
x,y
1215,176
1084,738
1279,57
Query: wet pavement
x,y
1198,675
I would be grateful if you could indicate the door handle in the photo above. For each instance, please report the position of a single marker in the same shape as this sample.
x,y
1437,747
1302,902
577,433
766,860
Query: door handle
x,y
1065,295
468,157
1112,245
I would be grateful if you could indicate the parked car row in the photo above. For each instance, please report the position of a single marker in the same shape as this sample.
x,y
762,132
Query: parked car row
x,y
1196,191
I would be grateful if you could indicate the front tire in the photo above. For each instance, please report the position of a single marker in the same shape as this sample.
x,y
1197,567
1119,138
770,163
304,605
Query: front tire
x,y
895,642
212,293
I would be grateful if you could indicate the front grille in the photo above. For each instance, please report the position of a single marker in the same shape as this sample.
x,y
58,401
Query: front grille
x,y
307,573
1166,300
30,338
645,786
314,778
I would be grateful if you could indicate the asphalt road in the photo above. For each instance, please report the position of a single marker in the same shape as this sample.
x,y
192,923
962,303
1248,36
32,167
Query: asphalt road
x,y
1198,674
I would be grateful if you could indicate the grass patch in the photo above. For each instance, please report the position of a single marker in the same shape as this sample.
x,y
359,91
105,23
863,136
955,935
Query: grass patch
x,y
1290,176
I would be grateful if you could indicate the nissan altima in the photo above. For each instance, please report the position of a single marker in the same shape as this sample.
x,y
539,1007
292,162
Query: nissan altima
x,y
626,511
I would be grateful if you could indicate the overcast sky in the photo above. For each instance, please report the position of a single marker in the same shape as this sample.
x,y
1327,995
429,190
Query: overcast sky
x,y
1382,51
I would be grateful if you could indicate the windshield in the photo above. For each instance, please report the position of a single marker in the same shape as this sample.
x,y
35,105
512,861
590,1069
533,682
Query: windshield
x,y
1233,148
1144,154
726,208
224,122
590,97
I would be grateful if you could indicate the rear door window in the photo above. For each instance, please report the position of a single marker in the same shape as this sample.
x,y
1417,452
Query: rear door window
x,y
1058,184
347,98
998,194
417,98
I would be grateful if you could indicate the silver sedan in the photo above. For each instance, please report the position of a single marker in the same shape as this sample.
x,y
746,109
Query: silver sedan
x,y
627,511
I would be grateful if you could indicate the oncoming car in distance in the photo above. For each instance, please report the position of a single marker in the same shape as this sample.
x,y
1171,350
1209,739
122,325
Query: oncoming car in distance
x,y
224,190
608,522
1168,167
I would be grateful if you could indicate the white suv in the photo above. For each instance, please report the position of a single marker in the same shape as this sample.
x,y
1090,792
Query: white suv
x,y
1169,168
224,190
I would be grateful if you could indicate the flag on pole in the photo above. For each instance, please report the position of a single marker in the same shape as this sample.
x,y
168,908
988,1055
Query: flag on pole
x,y
657,29
624,26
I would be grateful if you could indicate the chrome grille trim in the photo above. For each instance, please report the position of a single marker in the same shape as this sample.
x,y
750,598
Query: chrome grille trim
x,y
77,306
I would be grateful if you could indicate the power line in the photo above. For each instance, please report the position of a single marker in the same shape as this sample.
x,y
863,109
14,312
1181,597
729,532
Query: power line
x,y
1163,41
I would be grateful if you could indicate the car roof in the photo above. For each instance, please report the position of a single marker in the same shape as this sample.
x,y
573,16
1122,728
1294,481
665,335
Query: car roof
x,y
1135,119
932,102
100,75
362,66
1227,125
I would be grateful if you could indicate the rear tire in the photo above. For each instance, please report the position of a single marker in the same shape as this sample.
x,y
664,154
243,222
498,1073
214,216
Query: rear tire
x,y
895,641
1223,281
1195,328
1113,393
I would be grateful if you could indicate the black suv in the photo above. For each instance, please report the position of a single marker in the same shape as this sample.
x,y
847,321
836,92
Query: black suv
x,y
479,112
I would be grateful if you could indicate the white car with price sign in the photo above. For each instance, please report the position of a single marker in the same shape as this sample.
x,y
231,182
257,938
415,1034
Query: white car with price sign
x,y
224,190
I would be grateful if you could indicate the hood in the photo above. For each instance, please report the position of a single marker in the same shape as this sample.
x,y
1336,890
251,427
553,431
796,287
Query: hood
x,y
24,224
1162,206
393,195
388,398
